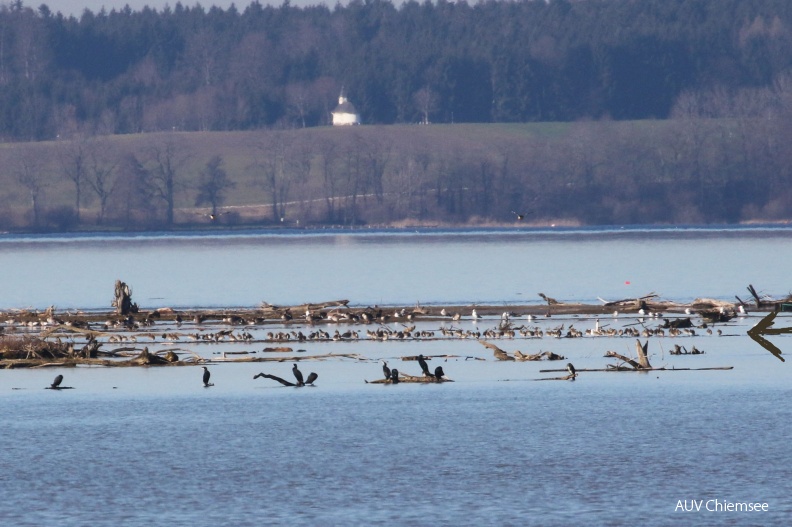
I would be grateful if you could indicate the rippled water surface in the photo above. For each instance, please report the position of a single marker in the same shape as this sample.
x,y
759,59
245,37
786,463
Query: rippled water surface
x,y
152,446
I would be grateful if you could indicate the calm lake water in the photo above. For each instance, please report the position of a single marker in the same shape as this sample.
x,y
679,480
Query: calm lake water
x,y
152,446
209,270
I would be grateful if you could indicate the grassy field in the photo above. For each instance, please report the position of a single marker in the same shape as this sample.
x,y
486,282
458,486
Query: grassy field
x,y
242,153
603,172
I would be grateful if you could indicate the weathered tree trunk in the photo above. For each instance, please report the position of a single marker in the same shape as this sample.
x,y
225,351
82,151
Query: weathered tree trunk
x,y
308,382
274,378
123,299
643,358
147,359
624,359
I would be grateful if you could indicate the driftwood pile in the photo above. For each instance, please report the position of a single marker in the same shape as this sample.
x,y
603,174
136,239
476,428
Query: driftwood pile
x,y
639,364
518,355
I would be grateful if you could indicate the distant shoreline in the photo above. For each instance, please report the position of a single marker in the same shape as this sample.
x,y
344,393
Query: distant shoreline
x,y
410,228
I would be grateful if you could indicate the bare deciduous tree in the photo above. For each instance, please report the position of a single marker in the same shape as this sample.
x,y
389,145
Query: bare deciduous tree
x,y
73,160
29,172
167,159
213,185
101,178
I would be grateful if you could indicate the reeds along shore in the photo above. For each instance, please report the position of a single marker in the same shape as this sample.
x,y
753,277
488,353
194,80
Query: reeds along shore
x,y
30,338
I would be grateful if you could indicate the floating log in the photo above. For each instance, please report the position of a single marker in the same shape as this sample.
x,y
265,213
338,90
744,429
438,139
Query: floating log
x,y
661,368
354,356
641,300
309,381
682,350
643,360
411,379
499,353
148,359
679,323
550,301
565,378
542,355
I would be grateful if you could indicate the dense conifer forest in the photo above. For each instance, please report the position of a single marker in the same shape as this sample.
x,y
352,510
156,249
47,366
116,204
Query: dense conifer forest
x,y
192,68
664,110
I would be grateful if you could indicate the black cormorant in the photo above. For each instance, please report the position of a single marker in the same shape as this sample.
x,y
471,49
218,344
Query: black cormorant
x,y
571,369
394,376
311,378
206,376
439,373
298,375
424,367
386,370
56,382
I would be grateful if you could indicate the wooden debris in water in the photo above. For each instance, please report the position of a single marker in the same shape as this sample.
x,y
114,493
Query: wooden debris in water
x,y
404,378
518,355
122,300
308,382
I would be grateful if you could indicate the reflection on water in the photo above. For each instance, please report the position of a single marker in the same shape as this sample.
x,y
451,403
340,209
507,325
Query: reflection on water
x,y
393,268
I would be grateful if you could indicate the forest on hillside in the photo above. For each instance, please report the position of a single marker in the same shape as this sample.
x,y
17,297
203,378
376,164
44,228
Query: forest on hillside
x,y
187,68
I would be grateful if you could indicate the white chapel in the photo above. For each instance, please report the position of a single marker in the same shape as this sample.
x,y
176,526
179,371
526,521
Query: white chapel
x,y
345,113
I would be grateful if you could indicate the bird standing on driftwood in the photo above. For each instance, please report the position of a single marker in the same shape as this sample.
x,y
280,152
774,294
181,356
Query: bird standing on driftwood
x,y
394,377
56,383
311,378
206,375
571,370
424,366
386,370
439,373
298,375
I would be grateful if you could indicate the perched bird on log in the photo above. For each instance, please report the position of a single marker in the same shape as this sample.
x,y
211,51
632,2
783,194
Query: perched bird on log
x,y
386,370
298,375
311,378
206,375
439,373
571,369
394,377
56,382
424,366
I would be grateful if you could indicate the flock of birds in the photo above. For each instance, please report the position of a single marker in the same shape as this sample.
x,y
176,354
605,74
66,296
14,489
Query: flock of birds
x,y
505,328
391,375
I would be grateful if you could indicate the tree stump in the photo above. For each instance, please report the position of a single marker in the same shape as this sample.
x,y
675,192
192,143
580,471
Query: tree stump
x,y
123,299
